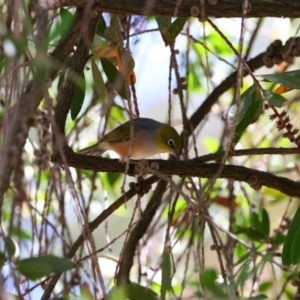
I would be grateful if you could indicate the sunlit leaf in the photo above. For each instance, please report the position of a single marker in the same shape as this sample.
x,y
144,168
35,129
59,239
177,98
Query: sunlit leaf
x,y
117,293
211,144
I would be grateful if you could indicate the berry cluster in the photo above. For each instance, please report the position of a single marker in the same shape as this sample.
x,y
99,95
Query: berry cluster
x,y
276,53
283,123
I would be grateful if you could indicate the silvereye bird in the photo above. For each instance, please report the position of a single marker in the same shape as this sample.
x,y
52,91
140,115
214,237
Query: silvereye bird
x,y
149,137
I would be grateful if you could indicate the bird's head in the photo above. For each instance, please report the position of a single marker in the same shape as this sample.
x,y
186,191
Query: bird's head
x,y
167,140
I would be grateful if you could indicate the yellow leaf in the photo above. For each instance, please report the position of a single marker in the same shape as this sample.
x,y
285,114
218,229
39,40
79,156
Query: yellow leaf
x,y
131,79
106,52
282,89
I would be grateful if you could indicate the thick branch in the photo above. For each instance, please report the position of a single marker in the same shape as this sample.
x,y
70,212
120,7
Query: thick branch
x,y
20,124
223,9
189,168
138,232
92,226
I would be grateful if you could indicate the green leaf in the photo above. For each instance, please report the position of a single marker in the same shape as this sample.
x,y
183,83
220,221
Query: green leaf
x,y
273,98
3,62
167,269
114,77
136,291
67,21
58,264
175,28
291,244
101,27
64,26
9,246
255,222
278,239
251,233
3,259
21,233
265,223
169,31
265,286
117,293
111,33
37,267
163,23
295,250
250,107
113,178
33,269
258,297
98,81
78,96
209,283
289,79
131,291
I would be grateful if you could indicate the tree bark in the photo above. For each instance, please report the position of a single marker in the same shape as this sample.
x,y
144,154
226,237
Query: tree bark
x,y
222,9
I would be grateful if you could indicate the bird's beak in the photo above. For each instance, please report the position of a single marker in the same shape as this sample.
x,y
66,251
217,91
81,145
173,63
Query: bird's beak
x,y
175,153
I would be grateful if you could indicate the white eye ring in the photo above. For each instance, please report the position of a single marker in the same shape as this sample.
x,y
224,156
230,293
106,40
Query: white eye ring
x,y
170,143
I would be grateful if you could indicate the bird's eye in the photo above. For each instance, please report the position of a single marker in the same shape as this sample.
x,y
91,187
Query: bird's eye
x,y
170,143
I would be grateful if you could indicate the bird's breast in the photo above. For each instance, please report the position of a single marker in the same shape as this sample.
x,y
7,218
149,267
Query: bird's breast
x,y
136,149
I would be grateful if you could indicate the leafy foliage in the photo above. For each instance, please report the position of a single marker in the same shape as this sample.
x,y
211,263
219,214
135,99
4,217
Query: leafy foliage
x,y
207,236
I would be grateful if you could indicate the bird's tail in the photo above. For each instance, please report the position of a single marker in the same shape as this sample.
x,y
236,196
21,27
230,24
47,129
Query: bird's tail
x,y
92,150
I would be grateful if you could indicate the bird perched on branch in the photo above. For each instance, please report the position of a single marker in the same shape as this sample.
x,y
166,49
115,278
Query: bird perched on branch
x,y
138,139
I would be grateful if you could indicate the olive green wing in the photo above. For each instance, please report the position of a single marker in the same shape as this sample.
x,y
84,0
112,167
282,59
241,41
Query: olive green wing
x,y
121,133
